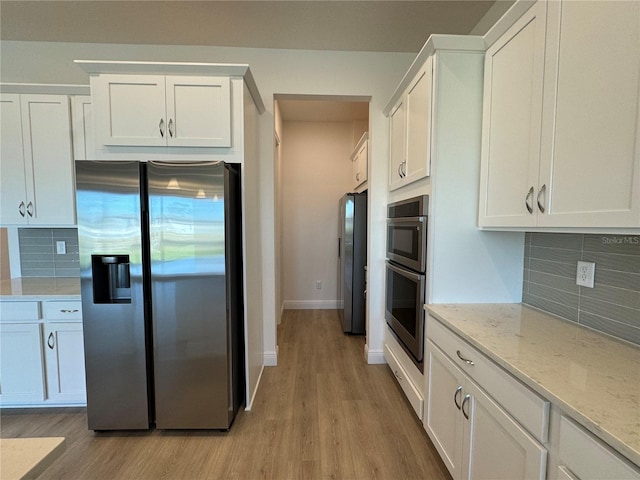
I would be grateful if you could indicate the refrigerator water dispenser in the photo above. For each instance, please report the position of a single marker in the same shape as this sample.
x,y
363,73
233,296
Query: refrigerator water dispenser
x,y
111,279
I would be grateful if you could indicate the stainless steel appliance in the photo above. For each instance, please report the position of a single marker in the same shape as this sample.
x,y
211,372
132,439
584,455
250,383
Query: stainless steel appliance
x,y
406,273
352,255
407,232
161,281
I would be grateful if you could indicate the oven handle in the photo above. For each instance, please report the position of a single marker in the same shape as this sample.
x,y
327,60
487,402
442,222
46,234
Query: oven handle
x,y
408,220
404,272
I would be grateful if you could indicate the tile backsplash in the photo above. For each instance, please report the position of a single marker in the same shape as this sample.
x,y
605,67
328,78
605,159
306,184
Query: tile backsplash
x,y
612,306
38,257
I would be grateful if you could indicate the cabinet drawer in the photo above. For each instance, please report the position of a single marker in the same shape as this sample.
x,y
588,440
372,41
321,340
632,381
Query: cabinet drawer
x,y
522,403
589,458
412,393
10,311
62,310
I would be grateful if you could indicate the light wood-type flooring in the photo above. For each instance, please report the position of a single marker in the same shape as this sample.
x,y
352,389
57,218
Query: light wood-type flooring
x,y
323,413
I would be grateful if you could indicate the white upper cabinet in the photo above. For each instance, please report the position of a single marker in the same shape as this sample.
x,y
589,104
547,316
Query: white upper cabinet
x,y
37,161
410,130
590,158
360,162
156,110
561,132
511,122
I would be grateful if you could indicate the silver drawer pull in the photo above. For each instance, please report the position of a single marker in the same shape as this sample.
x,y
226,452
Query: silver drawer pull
x,y
75,310
467,397
398,376
455,396
466,360
526,200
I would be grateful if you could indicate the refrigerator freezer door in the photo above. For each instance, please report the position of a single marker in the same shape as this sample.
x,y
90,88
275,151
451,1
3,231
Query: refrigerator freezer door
x,y
109,234
189,295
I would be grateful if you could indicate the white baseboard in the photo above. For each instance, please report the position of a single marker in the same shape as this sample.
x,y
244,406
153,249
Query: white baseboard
x,y
271,358
311,304
255,391
374,357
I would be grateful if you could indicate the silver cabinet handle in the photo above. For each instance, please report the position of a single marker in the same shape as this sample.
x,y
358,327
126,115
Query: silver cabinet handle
x,y
404,169
170,127
21,209
542,190
467,397
455,396
526,200
399,172
30,209
358,177
466,360
398,376
50,341
75,310
161,127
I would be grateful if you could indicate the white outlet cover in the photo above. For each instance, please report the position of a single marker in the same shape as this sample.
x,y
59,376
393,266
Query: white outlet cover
x,y
61,247
585,274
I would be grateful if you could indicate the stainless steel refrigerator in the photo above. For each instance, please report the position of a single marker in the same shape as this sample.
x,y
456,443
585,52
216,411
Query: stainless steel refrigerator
x,y
352,257
162,304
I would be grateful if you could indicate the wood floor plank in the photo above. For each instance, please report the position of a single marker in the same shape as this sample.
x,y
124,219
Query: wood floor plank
x,y
322,413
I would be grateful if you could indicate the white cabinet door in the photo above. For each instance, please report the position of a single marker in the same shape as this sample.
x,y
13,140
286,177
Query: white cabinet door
x,y
359,162
410,131
37,161
397,148
130,110
13,205
444,421
590,162
46,127
198,111
65,362
511,127
419,125
496,447
21,364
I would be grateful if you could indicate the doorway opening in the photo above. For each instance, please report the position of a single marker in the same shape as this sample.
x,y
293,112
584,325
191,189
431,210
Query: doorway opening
x,y
314,142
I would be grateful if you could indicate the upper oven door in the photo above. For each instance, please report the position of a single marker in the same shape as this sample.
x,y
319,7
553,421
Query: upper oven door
x,y
406,242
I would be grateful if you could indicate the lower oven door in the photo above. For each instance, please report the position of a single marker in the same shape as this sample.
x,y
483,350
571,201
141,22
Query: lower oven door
x,y
404,310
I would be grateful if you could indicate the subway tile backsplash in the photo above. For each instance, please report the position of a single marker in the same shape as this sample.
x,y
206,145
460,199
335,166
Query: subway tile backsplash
x,y
38,257
612,306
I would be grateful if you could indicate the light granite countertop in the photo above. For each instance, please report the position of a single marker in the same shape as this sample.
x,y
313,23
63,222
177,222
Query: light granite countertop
x,y
26,458
591,377
40,288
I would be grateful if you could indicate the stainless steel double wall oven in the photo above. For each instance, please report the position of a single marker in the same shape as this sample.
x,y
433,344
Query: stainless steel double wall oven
x,y
406,273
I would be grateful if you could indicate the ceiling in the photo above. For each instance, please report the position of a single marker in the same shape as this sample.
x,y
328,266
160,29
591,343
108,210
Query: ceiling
x,y
379,26
363,25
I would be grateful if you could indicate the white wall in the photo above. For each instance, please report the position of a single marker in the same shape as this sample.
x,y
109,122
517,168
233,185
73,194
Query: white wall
x,y
298,72
316,172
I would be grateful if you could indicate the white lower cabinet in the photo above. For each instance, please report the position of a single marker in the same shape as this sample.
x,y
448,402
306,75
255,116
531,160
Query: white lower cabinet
x,y
583,457
22,378
41,357
64,357
476,438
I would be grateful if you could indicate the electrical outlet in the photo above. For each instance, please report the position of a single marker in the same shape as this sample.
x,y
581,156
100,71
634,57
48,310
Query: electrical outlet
x,y
585,274
61,247
319,284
